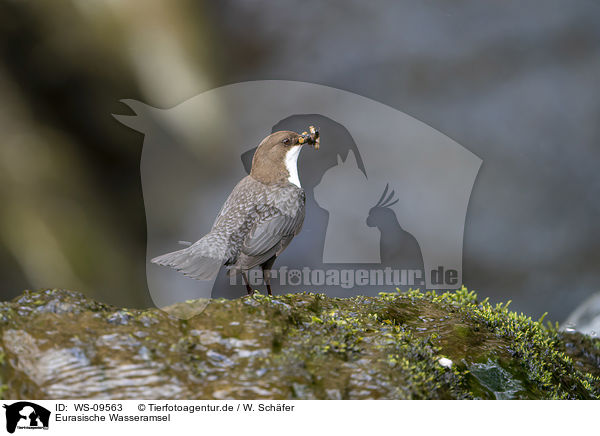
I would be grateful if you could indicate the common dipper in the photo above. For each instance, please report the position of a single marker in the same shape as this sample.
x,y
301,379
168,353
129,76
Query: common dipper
x,y
259,219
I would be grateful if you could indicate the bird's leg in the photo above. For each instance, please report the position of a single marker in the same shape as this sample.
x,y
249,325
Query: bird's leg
x,y
248,287
266,269
267,278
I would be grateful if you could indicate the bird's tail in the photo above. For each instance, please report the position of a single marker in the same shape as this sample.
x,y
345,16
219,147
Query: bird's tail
x,y
202,260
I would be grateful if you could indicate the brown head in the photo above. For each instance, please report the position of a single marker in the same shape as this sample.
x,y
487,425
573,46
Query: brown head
x,y
275,159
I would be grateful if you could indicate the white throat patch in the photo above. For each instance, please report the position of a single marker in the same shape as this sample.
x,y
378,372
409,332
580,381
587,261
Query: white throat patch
x,y
291,164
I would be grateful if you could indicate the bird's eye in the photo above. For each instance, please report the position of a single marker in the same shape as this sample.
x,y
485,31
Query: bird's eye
x,y
286,141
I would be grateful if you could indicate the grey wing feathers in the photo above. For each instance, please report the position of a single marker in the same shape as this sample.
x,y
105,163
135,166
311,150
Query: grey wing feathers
x,y
269,237
267,233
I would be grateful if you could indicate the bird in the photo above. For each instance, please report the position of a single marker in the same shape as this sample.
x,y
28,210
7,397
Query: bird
x,y
259,219
397,246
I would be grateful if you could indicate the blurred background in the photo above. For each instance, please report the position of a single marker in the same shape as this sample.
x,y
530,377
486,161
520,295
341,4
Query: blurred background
x,y
515,82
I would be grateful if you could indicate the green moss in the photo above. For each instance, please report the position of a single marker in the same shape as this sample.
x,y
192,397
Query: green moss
x,y
397,345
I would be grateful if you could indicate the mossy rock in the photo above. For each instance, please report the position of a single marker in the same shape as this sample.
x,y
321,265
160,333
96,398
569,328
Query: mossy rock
x,y
60,344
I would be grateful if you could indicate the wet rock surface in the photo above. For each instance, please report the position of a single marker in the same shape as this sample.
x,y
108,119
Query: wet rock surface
x,y
60,344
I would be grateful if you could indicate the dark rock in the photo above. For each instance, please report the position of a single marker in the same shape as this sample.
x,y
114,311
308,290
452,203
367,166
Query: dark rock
x,y
60,344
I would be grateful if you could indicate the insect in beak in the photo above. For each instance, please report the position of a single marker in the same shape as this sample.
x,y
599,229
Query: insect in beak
x,y
312,138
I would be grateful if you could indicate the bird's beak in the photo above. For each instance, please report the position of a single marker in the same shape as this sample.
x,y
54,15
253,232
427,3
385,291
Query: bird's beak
x,y
311,138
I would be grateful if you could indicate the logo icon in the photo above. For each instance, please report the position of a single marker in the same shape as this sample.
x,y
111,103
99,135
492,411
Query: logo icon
x,y
26,415
386,195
